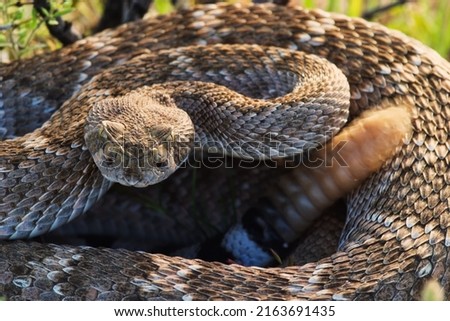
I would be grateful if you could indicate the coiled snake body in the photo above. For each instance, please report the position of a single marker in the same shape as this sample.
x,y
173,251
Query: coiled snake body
x,y
397,231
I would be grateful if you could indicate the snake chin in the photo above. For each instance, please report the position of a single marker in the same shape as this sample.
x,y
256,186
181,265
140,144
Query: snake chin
x,y
135,167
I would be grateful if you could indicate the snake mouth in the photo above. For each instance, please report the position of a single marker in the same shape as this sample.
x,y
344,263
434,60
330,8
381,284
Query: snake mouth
x,y
135,168
136,177
139,177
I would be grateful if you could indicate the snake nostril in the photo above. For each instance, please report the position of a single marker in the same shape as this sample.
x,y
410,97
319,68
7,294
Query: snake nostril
x,y
161,164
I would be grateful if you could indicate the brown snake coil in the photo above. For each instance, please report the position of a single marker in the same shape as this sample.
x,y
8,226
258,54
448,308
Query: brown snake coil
x,y
397,231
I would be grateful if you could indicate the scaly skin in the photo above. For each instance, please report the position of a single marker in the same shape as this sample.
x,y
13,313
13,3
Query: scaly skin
x,y
397,230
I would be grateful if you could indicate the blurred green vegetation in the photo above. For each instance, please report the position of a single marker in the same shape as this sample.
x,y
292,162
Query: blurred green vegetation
x,y
425,20
23,33
432,291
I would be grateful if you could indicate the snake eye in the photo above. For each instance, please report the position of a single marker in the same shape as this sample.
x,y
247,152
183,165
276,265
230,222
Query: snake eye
x,y
113,128
162,134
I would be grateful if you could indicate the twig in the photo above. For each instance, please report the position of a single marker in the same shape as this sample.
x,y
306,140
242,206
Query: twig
x,y
118,12
61,31
372,13
280,2
137,10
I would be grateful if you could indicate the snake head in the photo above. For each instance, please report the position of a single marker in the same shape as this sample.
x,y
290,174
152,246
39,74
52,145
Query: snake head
x,y
135,141
129,161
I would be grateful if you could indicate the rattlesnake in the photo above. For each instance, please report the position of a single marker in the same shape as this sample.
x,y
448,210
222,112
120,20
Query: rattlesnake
x,y
396,234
